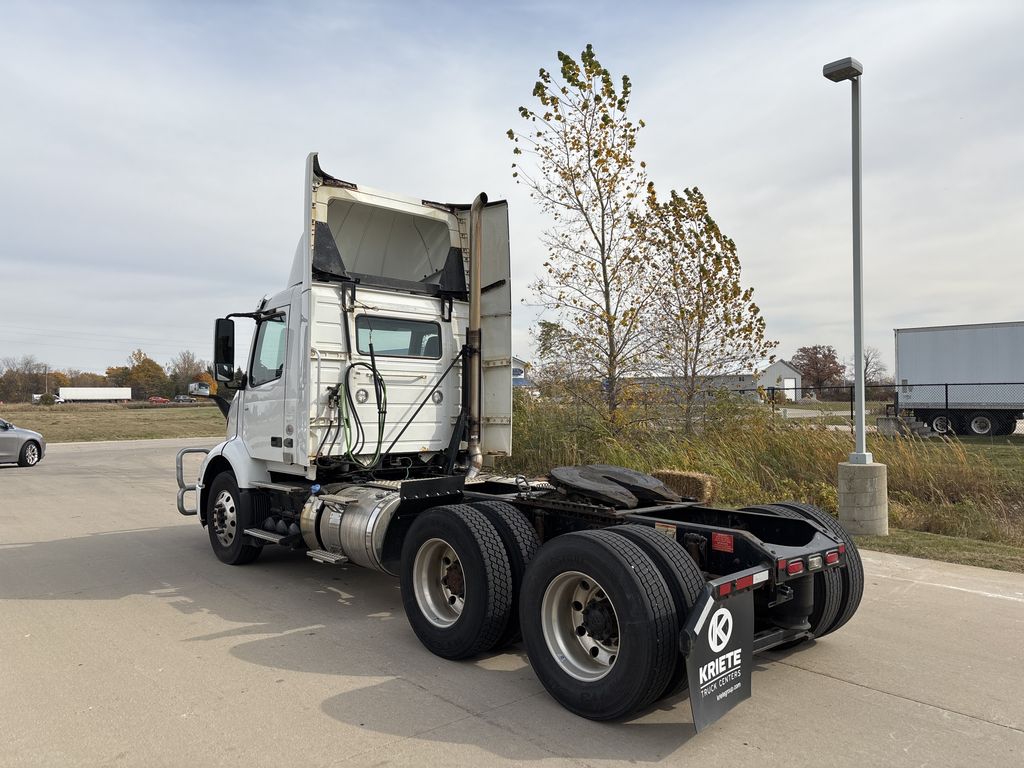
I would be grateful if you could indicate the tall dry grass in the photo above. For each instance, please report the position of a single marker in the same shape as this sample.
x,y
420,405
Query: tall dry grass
x,y
935,485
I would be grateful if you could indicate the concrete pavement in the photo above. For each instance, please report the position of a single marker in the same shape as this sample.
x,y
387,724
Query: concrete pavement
x,y
123,641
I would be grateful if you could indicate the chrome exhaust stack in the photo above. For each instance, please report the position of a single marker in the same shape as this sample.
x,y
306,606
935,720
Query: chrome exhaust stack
x,y
476,230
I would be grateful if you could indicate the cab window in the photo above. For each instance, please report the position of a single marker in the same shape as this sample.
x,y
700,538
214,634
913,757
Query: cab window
x,y
398,337
268,354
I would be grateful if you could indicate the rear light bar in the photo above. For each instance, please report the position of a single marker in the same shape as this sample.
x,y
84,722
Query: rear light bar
x,y
749,581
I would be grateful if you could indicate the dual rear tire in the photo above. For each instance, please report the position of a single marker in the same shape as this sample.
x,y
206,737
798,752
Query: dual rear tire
x,y
599,612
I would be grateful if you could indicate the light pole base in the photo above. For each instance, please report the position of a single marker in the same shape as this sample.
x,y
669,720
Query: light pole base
x,y
864,498
861,458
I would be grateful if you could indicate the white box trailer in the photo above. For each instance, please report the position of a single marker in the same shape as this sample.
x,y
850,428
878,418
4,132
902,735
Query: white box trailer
x,y
95,394
964,378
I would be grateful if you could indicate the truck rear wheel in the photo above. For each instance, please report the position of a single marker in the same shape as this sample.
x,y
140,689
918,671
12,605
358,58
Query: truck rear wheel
x,y
682,576
599,624
521,544
456,581
980,423
227,516
852,575
829,591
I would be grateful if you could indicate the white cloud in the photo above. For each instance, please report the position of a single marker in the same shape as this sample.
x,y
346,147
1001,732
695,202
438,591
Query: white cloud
x,y
152,155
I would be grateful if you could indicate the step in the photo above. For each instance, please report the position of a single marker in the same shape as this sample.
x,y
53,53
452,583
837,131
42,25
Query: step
x,y
281,487
271,536
323,556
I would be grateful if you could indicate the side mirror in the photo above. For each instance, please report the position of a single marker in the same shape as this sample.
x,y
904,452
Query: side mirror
x,y
224,350
199,389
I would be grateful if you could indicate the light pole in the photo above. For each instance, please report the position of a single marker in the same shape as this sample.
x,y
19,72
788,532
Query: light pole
x,y
838,71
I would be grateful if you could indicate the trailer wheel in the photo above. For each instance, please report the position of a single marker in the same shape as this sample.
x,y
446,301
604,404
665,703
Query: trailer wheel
x,y
521,544
456,581
852,575
682,576
227,515
939,423
599,624
980,424
1005,425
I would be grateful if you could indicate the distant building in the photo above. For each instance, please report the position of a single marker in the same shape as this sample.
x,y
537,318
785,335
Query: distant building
x,y
519,369
780,375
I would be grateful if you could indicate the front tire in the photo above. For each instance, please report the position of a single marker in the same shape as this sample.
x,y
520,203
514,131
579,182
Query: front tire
x,y
227,516
599,624
30,454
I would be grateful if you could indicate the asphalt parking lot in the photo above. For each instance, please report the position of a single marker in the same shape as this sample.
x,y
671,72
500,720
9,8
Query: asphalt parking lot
x,y
125,642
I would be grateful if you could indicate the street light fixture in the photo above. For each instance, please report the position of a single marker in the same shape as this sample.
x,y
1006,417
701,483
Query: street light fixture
x,y
838,71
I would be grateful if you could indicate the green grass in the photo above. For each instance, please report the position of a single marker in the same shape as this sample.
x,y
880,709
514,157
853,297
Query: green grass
x,y
86,422
950,549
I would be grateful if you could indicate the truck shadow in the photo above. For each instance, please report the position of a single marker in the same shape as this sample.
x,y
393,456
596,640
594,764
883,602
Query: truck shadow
x,y
294,615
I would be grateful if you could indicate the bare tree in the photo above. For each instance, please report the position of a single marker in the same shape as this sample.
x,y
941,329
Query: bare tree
x,y
596,277
183,369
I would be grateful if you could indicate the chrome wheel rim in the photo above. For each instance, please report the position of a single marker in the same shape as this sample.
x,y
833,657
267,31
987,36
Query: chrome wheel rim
x,y
981,425
31,454
940,424
439,583
225,518
580,625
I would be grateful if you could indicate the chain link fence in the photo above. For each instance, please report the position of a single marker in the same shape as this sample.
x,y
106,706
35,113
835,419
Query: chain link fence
x,y
978,409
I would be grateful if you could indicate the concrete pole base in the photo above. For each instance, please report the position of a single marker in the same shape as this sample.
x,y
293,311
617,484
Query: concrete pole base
x,y
864,498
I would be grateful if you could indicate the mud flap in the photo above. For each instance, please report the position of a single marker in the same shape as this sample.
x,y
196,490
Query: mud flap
x,y
719,644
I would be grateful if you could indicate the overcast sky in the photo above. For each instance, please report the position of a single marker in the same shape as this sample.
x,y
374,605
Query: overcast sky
x,y
151,154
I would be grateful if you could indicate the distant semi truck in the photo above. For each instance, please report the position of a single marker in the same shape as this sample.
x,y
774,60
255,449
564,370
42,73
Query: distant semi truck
x,y
95,394
962,378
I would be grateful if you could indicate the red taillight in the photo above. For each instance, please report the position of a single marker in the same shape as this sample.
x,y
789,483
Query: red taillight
x,y
721,542
795,568
782,565
831,558
746,581
842,548
724,589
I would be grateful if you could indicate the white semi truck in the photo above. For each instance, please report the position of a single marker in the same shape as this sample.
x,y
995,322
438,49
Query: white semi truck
x,y
376,398
95,394
967,379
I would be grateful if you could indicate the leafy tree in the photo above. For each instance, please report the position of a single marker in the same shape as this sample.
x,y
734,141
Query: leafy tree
x,y
708,324
819,367
584,176
207,378
146,377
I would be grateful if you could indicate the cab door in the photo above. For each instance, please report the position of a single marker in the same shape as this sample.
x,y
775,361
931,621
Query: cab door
x,y
262,423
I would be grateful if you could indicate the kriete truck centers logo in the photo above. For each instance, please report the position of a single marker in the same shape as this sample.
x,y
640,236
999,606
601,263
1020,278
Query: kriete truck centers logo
x,y
726,668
